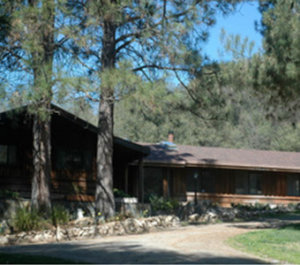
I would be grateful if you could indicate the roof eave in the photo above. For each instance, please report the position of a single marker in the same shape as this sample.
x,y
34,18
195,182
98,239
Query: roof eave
x,y
221,166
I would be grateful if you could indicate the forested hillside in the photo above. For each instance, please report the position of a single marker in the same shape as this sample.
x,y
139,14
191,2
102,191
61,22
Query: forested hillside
x,y
250,102
225,116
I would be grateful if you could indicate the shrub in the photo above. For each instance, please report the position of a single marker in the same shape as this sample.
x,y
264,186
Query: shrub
x,y
60,215
251,207
27,219
119,217
162,204
7,194
120,193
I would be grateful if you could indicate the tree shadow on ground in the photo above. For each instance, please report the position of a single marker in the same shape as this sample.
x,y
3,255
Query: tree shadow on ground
x,y
291,226
265,224
123,253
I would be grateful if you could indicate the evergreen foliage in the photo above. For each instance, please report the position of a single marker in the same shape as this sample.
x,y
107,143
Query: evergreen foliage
x,y
30,42
241,122
123,43
277,70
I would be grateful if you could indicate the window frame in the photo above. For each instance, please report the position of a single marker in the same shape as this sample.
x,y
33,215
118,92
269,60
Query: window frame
x,y
295,185
257,183
249,179
11,155
72,153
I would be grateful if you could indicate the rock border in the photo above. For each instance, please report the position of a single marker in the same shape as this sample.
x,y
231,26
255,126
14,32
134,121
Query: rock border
x,y
84,229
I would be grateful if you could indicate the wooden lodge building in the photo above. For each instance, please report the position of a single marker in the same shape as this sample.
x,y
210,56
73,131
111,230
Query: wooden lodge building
x,y
183,172
222,175
73,143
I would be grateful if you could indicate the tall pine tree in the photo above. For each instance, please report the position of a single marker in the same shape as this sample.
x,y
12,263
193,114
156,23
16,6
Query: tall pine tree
x,y
27,49
278,69
147,37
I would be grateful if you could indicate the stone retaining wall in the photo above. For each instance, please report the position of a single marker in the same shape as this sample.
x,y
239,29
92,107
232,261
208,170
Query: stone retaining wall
x,y
206,212
83,229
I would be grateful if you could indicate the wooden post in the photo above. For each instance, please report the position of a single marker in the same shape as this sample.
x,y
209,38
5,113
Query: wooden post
x,y
141,181
126,179
166,176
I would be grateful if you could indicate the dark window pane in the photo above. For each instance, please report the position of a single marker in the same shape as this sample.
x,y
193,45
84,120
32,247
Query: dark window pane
x,y
192,183
8,154
207,181
255,184
72,158
3,154
153,181
12,155
241,184
293,186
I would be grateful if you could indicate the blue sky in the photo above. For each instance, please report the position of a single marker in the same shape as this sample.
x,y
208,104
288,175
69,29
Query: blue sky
x,y
240,22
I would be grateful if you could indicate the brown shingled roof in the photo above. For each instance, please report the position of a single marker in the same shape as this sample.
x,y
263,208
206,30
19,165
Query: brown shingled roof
x,y
191,156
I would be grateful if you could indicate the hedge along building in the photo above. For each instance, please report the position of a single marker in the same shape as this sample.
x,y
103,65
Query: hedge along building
x,y
222,175
73,143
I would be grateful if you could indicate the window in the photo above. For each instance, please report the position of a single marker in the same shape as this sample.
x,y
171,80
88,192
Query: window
x,y
248,183
3,154
153,181
207,181
255,184
241,184
8,154
192,183
73,158
293,185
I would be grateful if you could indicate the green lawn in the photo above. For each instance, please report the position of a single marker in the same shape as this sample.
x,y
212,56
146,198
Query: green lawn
x,y
30,259
281,244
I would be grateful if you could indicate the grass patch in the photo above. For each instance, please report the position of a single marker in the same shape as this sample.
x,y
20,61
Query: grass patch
x,y
281,244
6,258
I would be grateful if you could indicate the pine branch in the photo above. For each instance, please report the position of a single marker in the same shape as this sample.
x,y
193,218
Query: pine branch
x,y
187,89
161,68
124,45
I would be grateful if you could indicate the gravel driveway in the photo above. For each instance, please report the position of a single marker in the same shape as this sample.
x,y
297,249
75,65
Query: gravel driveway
x,y
190,244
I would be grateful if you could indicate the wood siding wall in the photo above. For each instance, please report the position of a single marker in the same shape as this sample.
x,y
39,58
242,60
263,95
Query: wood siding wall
x,y
65,183
76,183
226,200
179,184
182,186
17,132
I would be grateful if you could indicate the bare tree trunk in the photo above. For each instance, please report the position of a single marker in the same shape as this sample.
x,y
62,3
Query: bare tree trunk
x,y
105,203
40,191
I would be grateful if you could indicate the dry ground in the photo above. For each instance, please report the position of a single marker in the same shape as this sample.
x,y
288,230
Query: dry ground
x,y
190,244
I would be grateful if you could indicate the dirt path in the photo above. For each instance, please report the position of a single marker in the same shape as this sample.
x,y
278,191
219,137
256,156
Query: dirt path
x,y
190,244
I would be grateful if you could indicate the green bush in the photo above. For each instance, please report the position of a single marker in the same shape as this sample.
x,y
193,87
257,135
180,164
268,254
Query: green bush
x,y
27,219
7,194
161,204
251,207
120,193
60,215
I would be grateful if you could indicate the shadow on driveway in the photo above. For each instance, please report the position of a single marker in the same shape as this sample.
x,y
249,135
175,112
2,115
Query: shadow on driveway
x,y
121,252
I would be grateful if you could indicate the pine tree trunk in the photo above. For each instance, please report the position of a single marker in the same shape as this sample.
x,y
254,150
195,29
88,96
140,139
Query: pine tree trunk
x,y
42,58
40,191
105,203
